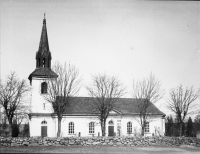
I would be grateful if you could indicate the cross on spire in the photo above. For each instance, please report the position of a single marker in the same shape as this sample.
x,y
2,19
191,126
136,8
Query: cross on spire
x,y
44,20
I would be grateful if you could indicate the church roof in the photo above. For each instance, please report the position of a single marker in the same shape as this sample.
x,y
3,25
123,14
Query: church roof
x,y
125,106
43,72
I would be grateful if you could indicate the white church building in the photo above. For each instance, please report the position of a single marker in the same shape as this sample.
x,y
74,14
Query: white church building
x,y
80,119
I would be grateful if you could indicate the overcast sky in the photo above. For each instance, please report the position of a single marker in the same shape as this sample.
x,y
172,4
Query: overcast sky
x,y
126,39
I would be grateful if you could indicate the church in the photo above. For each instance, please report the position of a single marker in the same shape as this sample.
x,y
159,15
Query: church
x,y
79,119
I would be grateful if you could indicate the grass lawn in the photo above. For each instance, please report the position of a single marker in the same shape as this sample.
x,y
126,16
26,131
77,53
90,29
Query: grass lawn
x,y
102,149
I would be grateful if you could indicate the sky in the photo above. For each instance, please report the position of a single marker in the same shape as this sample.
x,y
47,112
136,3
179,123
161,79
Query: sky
x,y
126,39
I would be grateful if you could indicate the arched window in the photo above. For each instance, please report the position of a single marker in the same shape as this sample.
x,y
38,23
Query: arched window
x,y
146,128
129,127
111,123
91,127
44,88
71,128
44,122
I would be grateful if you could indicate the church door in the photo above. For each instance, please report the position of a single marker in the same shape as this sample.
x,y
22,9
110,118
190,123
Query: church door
x,y
44,131
44,128
111,128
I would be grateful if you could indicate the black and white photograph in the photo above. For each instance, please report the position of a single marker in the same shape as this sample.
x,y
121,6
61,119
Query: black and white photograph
x,y
99,76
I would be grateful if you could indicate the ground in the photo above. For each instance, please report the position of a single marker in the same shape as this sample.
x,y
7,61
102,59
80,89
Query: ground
x,y
103,150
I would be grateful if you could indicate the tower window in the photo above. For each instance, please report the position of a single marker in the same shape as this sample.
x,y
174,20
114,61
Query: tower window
x,y
44,88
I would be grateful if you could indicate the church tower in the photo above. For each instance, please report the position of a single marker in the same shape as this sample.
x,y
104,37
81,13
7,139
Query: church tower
x,y
40,75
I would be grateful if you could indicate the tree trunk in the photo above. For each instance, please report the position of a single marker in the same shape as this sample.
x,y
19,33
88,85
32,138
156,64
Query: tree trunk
x,y
10,133
59,127
180,129
10,130
103,127
142,131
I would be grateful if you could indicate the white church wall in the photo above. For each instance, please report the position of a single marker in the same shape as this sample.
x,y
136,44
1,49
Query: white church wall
x,y
157,126
163,124
38,101
81,125
156,123
135,125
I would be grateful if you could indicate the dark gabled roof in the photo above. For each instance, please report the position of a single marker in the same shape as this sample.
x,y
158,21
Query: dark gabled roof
x,y
85,106
42,72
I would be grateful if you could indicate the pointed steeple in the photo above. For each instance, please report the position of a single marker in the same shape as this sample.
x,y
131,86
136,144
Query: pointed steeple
x,y
44,44
43,55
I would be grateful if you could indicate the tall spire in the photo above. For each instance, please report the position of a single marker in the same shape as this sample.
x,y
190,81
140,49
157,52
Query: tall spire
x,y
44,44
43,55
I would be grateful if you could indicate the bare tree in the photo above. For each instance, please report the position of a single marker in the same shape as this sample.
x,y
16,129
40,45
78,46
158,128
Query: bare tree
x,y
146,92
21,115
62,90
180,102
12,94
105,92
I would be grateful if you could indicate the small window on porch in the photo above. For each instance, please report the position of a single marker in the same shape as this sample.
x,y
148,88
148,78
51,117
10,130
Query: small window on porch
x,y
44,88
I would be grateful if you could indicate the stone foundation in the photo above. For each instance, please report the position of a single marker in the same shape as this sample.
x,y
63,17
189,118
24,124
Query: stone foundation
x,y
100,141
